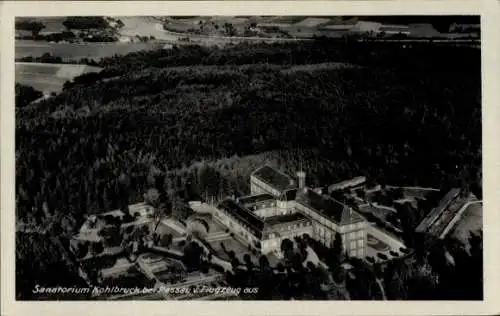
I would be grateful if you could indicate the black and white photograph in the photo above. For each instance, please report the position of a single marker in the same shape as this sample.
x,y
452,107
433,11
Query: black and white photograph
x,y
248,158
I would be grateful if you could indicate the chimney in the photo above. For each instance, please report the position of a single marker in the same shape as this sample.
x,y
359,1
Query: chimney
x,y
301,176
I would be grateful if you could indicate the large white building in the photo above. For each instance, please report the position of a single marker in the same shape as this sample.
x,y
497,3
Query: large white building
x,y
282,207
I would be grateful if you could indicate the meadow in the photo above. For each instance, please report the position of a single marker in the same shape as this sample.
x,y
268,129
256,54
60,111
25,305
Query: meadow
x,y
71,51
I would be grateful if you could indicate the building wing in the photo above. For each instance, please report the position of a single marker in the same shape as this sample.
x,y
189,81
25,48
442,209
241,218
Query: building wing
x,y
274,178
328,207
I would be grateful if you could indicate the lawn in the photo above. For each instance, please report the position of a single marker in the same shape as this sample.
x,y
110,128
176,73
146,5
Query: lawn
x,y
232,244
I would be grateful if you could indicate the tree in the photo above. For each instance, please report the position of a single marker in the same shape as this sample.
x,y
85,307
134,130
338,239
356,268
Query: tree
x,y
152,197
209,180
287,248
26,94
192,255
85,22
337,245
111,235
82,250
97,248
179,208
248,261
263,263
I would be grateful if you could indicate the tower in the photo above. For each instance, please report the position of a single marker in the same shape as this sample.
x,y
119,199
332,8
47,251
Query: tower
x,y
301,176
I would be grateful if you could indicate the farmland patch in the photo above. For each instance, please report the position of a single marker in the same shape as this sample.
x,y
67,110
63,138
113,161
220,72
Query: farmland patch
x,y
312,22
49,77
71,51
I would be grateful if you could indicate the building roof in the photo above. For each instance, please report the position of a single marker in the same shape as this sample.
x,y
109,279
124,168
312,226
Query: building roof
x,y
328,207
282,219
275,178
347,183
243,214
252,199
431,217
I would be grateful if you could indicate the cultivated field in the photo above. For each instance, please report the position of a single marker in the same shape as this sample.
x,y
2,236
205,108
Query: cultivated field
x,y
49,77
68,51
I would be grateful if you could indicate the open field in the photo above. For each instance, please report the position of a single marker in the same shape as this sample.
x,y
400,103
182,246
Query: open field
x,y
71,51
144,26
49,77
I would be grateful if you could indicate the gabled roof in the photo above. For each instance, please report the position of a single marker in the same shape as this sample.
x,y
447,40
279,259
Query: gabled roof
x,y
328,207
275,178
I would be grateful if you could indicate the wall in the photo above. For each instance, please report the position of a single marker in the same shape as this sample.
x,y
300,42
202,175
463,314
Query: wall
x,y
235,227
272,244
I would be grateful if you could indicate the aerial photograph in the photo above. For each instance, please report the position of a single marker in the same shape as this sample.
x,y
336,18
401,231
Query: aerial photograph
x,y
224,158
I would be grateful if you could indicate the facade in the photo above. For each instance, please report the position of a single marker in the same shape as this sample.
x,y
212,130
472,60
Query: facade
x,y
282,207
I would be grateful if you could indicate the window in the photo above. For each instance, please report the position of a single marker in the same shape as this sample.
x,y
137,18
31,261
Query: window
x,y
352,254
360,242
353,244
361,233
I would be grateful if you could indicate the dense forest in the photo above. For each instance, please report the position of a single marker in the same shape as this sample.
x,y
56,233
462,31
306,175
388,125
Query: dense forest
x,y
26,94
206,117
